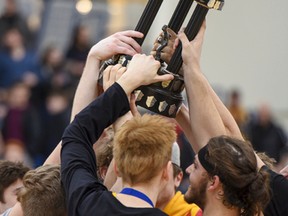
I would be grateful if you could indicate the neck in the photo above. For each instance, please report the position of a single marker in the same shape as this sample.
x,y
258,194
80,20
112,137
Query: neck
x,y
147,189
162,205
151,190
217,208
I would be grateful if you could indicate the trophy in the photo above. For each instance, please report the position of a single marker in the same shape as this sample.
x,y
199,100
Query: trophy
x,y
165,98
144,25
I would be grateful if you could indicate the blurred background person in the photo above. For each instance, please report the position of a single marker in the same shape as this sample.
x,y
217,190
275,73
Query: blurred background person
x,y
266,135
22,126
236,108
17,63
77,52
12,18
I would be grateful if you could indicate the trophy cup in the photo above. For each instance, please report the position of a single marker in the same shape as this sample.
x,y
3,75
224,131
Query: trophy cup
x,y
165,98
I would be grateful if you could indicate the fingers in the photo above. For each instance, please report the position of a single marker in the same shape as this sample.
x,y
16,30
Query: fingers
x,y
106,76
165,77
118,43
201,32
112,74
133,106
183,38
127,38
168,50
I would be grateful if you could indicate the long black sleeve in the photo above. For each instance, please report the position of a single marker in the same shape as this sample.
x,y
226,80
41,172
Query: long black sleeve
x,y
78,162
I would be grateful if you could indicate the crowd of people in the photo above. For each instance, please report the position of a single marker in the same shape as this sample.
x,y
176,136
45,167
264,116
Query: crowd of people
x,y
108,159
36,87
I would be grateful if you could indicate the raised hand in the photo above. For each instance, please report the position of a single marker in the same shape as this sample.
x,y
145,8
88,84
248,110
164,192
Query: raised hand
x,y
191,50
111,74
168,50
142,70
118,43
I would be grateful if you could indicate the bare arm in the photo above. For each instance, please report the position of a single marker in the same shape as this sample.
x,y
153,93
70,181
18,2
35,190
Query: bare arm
x,y
87,89
205,120
209,117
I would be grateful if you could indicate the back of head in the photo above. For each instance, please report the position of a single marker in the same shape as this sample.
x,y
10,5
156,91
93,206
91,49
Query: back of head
x,y
10,172
142,147
235,163
42,193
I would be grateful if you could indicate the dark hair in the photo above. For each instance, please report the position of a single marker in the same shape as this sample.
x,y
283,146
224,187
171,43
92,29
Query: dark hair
x,y
9,173
235,163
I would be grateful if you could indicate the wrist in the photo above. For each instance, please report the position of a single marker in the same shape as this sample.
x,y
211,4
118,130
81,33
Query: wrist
x,y
128,84
192,67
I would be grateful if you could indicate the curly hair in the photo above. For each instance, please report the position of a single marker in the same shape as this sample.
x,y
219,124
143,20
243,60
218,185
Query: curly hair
x,y
42,193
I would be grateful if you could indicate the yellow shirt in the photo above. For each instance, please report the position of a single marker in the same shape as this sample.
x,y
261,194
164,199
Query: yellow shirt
x,y
179,207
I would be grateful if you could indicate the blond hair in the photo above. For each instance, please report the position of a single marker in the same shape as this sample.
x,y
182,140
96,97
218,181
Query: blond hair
x,y
142,147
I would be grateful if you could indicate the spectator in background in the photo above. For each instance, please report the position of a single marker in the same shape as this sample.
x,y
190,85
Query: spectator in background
x,y
55,76
16,62
266,135
80,44
53,68
78,51
21,129
236,109
11,175
54,120
12,18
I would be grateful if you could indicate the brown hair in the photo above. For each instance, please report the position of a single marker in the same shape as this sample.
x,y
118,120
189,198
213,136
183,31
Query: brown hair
x,y
176,170
142,147
235,163
42,193
10,172
104,150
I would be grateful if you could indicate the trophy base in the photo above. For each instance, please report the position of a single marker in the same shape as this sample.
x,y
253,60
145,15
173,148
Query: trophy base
x,y
158,100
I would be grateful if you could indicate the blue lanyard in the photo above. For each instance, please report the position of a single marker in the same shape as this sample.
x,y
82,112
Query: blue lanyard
x,y
138,194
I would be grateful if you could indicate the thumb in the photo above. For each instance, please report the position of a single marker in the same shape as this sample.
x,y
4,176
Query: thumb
x,y
183,38
165,77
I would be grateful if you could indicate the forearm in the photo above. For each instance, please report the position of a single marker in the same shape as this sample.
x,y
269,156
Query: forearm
x,y
77,156
54,157
228,120
205,120
87,89
183,120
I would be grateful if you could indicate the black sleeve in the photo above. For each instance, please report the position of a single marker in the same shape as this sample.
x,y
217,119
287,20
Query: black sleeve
x,y
278,204
78,162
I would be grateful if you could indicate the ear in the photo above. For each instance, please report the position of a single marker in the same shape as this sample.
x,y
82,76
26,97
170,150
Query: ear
x,y
103,171
167,170
178,179
116,170
214,183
